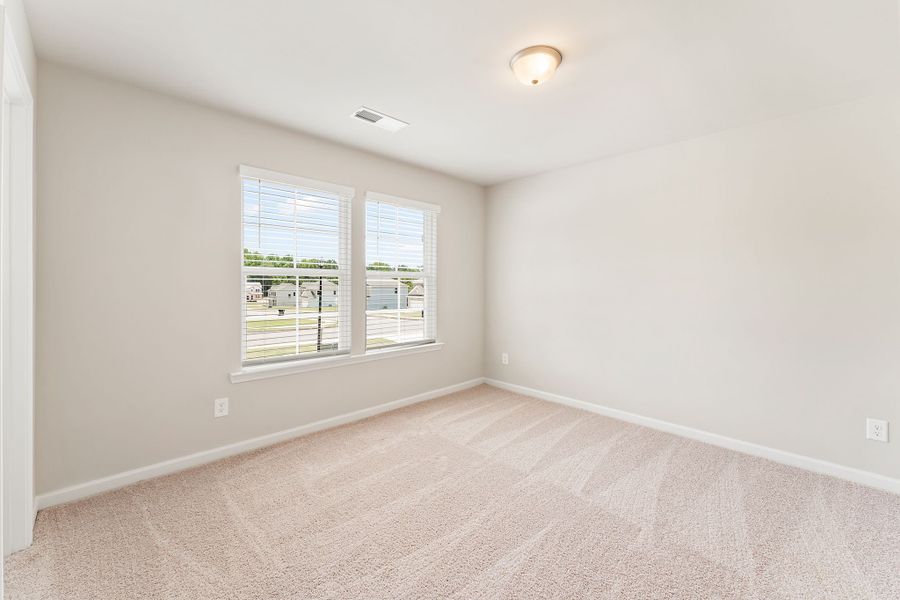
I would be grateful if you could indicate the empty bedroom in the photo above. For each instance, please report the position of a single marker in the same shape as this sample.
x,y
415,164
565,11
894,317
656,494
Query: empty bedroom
x,y
427,300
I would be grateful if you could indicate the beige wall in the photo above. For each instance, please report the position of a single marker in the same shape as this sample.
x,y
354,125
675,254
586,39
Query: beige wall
x,y
138,220
746,283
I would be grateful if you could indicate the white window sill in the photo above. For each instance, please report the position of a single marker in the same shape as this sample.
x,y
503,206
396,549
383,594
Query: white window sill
x,y
329,362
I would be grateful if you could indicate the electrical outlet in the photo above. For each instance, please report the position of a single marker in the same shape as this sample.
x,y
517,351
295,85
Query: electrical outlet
x,y
877,429
220,407
504,358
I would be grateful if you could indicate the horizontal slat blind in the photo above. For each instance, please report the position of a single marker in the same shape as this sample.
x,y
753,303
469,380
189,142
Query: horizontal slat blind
x,y
295,272
401,274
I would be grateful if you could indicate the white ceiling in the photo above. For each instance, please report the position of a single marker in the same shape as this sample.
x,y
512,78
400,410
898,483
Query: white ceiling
x,y
635,73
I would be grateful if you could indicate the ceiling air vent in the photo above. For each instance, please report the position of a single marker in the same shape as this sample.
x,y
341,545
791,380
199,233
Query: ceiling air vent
x,y
379,119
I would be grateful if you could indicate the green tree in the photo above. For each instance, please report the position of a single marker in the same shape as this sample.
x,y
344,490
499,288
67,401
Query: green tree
x,y
252,259
383,266
409,281
257,259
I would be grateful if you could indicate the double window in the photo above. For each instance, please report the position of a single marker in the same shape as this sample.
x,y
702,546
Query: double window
x,y
296,297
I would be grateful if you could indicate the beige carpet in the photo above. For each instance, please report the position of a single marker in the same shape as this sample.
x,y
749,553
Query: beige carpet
x,y
480,494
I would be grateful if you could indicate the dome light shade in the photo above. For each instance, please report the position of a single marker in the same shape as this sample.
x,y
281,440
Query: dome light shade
x,y
536,64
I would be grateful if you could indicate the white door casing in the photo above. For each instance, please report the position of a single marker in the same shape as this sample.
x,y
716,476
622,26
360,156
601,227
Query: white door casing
x,y
16,299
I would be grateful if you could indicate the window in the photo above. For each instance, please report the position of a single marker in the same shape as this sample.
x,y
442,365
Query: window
x,y
296,246
401,271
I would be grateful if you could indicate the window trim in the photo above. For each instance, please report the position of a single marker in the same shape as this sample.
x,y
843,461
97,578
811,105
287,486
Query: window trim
x,y
344,191
398,201
254,372
346,194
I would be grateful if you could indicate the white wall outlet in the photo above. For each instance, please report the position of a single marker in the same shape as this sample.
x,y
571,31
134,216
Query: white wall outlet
x,y
877,429
504,358
220,407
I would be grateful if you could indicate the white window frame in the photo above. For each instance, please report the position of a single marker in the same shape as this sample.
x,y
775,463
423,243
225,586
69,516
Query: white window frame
x,y
346,194
291,367
429,273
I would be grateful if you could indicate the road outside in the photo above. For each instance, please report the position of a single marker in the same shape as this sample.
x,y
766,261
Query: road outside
x,y
272,331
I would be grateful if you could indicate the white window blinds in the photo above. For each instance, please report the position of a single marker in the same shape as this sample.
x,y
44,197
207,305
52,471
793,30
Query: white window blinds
x,y
401,272
295,294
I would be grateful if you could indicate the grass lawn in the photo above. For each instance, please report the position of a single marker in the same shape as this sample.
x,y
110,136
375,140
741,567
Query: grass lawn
x,y
289,349
391,314
274,324
262,307
273,351
279,351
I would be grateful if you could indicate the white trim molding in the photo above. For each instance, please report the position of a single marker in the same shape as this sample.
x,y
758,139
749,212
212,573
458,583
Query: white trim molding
x,y
16,298
398,201
344,191
119,480
800,461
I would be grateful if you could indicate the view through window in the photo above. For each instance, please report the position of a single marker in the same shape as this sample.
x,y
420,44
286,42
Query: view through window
x,y
295,271
401,282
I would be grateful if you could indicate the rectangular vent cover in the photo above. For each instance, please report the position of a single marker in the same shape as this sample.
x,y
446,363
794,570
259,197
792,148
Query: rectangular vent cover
x,y
368,115
379,119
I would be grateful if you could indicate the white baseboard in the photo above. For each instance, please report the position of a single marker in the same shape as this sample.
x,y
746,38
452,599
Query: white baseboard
x,y
780,456
97,486
105,484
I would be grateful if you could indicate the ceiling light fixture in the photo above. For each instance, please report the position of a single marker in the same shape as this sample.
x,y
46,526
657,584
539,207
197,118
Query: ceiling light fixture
x,y
536,64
